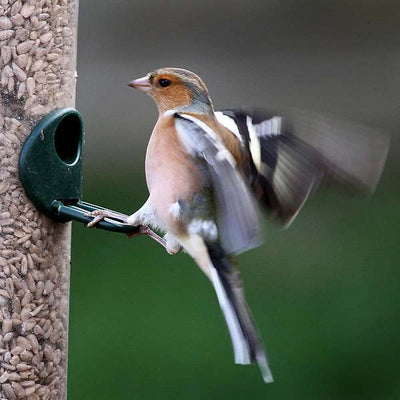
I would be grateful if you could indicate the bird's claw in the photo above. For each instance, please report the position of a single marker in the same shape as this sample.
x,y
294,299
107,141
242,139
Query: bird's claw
x,y
100,215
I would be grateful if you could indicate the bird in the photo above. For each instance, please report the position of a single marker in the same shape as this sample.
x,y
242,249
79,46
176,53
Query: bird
x,y
211,173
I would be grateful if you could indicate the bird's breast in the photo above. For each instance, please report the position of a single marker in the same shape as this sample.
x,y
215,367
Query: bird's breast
x,y
171,174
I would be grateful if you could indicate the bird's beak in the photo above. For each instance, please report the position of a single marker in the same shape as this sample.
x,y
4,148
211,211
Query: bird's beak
x,y
142,84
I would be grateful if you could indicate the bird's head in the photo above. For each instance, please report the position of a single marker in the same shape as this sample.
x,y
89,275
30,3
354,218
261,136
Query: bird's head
x,y
175,89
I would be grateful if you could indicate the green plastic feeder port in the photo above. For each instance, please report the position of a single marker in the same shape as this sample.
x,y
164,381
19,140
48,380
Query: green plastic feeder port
x,y
50,169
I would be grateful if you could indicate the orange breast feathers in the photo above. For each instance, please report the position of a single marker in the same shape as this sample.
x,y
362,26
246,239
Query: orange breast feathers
x,y
171,174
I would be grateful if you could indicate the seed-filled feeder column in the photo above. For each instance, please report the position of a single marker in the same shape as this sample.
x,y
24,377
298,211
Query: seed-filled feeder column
x,y
37,75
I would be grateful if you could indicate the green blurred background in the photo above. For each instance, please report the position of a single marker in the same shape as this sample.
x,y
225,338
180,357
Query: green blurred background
x,y
325,293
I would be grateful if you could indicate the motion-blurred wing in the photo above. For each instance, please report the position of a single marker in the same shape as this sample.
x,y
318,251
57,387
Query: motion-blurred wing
x,y
237,213
353,153
290,155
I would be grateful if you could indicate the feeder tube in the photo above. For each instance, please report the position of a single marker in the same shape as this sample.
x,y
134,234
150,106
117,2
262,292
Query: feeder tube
x,y
37,75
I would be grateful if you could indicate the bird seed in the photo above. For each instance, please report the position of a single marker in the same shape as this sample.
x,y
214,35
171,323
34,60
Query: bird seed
x,y
37,75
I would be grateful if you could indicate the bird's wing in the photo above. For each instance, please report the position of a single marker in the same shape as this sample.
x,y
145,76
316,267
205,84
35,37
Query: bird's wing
x,y
292,150
237,212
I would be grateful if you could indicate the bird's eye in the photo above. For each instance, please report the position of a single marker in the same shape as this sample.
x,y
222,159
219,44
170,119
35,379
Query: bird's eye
x,y
164,82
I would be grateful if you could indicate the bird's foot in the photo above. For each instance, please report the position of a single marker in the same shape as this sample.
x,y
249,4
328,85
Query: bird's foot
x,y
99,215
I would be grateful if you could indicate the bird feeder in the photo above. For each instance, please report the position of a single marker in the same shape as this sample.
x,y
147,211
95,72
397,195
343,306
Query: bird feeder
x,y
37,76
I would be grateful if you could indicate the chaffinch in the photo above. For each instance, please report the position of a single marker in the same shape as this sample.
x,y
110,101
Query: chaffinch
x,y
206,169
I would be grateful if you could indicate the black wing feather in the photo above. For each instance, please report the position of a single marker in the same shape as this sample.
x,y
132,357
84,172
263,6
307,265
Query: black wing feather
x,y
308,147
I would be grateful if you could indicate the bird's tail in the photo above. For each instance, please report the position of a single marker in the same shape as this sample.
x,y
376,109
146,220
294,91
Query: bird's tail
x,y
247,343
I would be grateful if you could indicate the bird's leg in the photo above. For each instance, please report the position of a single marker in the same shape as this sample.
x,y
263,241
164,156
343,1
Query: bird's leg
x,y
99,215
145,230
